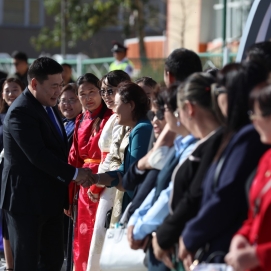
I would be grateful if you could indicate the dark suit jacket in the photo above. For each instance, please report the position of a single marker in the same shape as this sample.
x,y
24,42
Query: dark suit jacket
x,y
187,191
224,206
36,174
2,118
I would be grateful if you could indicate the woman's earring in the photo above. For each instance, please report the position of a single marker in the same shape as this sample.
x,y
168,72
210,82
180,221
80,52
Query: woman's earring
x,y
178,123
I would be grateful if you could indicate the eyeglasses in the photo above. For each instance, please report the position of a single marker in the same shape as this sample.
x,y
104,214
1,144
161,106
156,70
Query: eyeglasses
x,y
159,114
108,92
253,116
216,89
69,101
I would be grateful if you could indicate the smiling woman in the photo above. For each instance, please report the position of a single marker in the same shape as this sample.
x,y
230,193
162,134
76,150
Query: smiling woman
x,y
12,88
250,247
69,103
107,143
131,107
70,107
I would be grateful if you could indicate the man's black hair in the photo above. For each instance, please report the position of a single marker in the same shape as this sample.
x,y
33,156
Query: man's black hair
x,y
42,67
66,65
183,62
20,56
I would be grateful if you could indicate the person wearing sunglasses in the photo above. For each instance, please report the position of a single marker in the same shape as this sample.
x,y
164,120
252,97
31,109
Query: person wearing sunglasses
x,y
156,117
111,131
132,105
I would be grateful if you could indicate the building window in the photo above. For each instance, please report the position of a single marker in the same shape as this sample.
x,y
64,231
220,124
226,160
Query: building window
x,y
22,13
237,13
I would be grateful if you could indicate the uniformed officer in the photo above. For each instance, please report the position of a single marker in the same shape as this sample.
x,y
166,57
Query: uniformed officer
x,y
121,61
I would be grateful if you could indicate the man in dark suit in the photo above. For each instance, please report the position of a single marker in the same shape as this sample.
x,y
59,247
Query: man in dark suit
x,y
36,174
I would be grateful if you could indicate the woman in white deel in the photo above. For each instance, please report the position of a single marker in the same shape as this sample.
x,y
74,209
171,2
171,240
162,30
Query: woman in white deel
x,y
110,132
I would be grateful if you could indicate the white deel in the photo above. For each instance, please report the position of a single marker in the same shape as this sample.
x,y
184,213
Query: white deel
x,y
109,133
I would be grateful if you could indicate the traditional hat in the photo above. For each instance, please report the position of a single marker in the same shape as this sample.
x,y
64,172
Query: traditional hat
x,y
117,47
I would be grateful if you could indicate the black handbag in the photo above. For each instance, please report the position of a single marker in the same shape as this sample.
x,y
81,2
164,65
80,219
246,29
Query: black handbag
x,y
108,218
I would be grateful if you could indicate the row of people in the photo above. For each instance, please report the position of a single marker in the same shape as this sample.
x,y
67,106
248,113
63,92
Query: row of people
x,y
131,108
92,95
207,190
203,135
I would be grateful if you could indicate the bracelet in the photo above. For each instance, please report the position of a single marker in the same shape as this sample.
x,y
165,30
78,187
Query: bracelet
x,y
98,178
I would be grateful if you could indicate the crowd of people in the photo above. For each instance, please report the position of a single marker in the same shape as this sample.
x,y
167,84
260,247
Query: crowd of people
x,y
190,159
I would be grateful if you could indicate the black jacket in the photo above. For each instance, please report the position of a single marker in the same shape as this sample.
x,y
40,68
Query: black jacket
x,y
36,174
187,191
224,205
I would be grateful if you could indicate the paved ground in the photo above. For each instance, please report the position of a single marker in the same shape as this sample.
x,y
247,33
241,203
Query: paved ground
x,y
3,265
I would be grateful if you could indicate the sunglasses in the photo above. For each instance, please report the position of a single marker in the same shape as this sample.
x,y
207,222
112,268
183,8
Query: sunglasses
x,y
159,114
108,92
253,116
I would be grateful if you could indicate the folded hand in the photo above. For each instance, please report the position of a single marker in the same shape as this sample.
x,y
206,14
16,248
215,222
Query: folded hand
x,y
161,254
93,197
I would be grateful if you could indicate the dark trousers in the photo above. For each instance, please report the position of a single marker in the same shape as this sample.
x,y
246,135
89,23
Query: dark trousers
x,y
36,241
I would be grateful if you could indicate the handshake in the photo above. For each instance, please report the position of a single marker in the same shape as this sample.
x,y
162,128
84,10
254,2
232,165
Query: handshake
x,y
85,177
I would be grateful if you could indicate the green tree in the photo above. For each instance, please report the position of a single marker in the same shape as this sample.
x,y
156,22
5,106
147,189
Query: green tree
x,y
83,19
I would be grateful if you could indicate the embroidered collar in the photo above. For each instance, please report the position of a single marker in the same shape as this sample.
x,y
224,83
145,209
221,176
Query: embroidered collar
x,y
92,115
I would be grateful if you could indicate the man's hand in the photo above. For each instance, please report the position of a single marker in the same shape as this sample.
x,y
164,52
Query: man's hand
x,y
69,211
84,177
